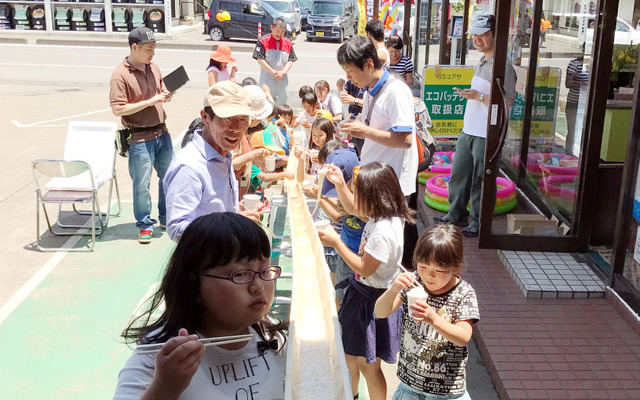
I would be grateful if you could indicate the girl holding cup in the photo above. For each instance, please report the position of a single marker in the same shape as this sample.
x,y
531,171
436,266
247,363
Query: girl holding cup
x,y
366,339
218,283
436,330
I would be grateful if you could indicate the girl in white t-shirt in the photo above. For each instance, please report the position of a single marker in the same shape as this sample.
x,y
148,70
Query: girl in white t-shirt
x,y
219,68
328,101
366,340
218,283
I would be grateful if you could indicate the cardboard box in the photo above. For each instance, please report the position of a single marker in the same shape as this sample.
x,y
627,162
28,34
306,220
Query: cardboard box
x,y
515,223
540,230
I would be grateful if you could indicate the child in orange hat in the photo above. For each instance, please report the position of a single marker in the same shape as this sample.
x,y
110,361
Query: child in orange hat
x,y
218,69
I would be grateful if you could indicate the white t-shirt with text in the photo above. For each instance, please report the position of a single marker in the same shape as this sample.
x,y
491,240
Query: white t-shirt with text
x,y
222,374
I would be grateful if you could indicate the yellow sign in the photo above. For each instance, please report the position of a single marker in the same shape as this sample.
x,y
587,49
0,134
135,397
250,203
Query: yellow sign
x,y
545,103
319,33
446,107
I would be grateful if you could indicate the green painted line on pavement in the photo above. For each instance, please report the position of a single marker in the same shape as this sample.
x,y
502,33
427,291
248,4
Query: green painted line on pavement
x,y
64,341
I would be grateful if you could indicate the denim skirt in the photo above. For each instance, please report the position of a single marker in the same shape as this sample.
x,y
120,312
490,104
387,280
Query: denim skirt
x,y
363,334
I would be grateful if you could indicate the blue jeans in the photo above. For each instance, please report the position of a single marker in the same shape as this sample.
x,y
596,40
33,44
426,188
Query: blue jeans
x,y
143,157
404,392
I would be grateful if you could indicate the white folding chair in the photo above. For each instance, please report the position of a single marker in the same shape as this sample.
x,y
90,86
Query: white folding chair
x,y
88,164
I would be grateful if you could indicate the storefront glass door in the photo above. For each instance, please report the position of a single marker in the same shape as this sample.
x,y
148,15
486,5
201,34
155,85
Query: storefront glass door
x,y
534,154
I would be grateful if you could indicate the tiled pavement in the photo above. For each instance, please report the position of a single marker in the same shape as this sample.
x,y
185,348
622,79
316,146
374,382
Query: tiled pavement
x,y
551,348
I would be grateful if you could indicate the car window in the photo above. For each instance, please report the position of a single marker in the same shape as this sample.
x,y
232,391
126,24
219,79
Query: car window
x,y
282,6
251,8
230,6
621,27
326,8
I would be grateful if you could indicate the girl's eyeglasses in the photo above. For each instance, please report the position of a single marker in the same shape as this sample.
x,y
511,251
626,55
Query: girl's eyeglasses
x,y
245,276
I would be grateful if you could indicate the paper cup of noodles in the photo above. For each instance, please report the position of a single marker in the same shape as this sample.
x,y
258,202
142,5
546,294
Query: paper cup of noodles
x,y
322,225
415,294
270,163
251,201
308,183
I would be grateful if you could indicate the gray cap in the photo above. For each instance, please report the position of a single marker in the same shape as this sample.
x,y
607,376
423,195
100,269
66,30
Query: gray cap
x,y
141,35
483,24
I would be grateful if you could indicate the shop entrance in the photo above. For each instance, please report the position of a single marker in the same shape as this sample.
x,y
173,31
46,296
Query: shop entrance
x,y
544,144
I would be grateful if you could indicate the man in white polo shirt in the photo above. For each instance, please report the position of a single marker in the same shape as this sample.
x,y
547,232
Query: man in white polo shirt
x,y
468,166
386,123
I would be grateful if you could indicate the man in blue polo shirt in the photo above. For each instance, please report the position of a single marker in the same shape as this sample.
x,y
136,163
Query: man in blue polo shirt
x,y
468,166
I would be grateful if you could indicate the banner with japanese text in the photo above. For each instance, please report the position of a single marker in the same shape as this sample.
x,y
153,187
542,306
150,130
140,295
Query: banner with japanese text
x,y
446,107
545,103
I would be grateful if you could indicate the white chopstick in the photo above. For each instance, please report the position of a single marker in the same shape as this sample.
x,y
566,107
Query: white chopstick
x,y
215,341
414,283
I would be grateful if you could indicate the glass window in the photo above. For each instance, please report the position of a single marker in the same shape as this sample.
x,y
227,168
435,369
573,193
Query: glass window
x,y
282,6
326,8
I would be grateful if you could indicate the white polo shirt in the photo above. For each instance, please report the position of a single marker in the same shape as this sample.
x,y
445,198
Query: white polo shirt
x,y
476,114
392,111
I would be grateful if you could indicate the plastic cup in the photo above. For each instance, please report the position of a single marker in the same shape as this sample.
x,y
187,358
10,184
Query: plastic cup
x,y
417,293
251,201
314,153
323,224
308,183
270,163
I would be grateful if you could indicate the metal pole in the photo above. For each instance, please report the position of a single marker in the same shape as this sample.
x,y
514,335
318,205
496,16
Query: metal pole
x,y
426,50
406,35
444,27
465,28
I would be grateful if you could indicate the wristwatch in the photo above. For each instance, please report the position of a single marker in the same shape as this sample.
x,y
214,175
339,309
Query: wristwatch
x,y
355,102
481,98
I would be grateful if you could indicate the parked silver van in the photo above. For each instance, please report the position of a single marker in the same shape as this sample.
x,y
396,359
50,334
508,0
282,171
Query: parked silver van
x,y
332,19
290,9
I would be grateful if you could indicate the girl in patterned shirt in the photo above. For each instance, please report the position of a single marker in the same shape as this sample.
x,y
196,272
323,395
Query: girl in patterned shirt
x,y
435,330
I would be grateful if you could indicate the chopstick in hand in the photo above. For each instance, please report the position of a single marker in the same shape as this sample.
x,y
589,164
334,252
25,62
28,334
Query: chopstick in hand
x,y
414,283
215,341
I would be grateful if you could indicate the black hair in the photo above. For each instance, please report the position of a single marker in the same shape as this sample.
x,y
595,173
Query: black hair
x,y
325,126
209,241
395,41
214,63
310,98
357,51
375,28
279,22
248,81
209,111
284,109
441,245
322,84
328,148
378,193
304,89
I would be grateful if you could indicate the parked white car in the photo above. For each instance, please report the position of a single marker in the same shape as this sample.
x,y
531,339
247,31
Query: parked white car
x,y
625,34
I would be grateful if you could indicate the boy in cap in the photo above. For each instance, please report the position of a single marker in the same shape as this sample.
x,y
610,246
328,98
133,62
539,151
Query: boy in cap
x,y
265,140
137,96
466,174
201,179
352,226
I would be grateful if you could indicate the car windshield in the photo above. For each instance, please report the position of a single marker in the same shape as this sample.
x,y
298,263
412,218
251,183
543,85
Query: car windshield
x,y
272,11
326,8
282,6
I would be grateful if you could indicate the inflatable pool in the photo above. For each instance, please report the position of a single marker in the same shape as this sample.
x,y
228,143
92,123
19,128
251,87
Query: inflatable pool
x,y
437,194
442,163
547,164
